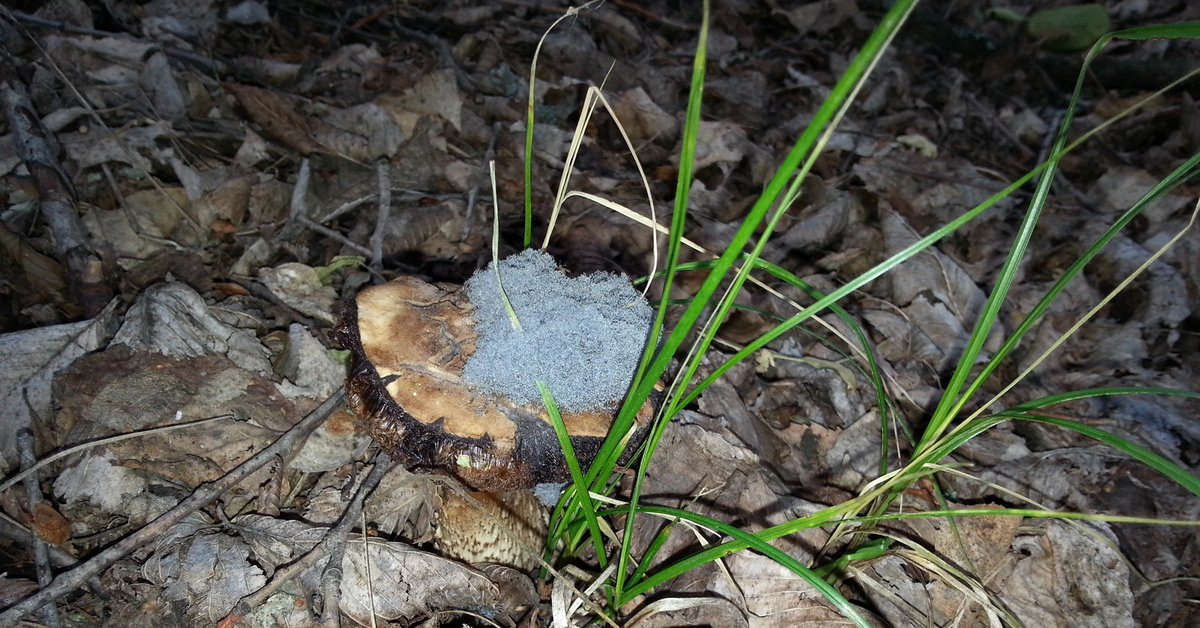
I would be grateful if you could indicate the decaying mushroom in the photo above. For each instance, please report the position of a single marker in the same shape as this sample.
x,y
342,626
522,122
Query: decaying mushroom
x,y
411,342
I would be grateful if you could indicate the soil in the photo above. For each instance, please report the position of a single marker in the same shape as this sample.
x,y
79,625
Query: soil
x,y
211,182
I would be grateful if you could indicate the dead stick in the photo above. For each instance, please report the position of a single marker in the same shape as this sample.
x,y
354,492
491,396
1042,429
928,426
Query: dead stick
x,y
331,580
33,493
334,538
38,149
383,174
71,580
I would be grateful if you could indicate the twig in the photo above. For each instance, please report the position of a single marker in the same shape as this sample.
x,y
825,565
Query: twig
x,y
19,533
384,173
73,579
33,495
38,149
298,206
331,580
334,234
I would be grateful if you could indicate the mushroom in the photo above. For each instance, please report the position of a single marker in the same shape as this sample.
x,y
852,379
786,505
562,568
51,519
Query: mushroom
x,y
409,343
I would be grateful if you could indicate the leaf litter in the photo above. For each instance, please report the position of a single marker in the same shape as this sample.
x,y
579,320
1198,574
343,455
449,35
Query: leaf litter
x,y
220,164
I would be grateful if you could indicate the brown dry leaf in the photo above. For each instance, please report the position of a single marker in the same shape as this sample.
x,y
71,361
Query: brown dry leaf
x,y
393,581
172,319
228,202
689,611
99,146
361,133
43,273
1065,576
151,218
820,17
96,483
643,119
985,539
903,342
937,295
1164,298
119,391
278,117
13,590
723,143
854,457
28,362
49,524
402,505
130,71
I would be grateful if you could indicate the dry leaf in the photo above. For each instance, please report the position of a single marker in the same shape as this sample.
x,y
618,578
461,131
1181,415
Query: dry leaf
x,y
274,541
208,572
49,524
28,362
393,581
300,288
773,596
436,94
277,116
643,119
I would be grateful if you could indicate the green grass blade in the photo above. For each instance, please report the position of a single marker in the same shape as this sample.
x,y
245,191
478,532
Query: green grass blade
x,y
797,164
937,451
1023,512
1181,30
581,490
806,147
650,369
871,549
1173,471
652,550
879,270
1189,169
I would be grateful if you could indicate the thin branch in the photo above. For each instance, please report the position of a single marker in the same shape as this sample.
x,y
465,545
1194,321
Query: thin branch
x,y
383,171
331,580
33,495
37,147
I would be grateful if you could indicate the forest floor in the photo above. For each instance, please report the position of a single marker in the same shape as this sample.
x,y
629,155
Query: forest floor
x,y
227,161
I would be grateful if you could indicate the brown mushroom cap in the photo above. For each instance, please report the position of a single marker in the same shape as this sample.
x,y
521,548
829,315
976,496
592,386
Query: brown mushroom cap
x,y
409,341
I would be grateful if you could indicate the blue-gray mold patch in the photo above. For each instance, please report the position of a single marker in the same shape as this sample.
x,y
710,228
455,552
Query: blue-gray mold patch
x,y
581,336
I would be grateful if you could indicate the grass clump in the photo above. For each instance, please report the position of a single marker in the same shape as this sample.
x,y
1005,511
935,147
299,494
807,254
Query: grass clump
x,y
590,507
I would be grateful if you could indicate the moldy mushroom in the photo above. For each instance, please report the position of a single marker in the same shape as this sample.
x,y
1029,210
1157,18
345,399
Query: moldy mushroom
x,y
443,381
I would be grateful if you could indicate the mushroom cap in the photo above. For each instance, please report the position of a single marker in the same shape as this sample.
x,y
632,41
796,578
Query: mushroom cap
x,y
409,341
